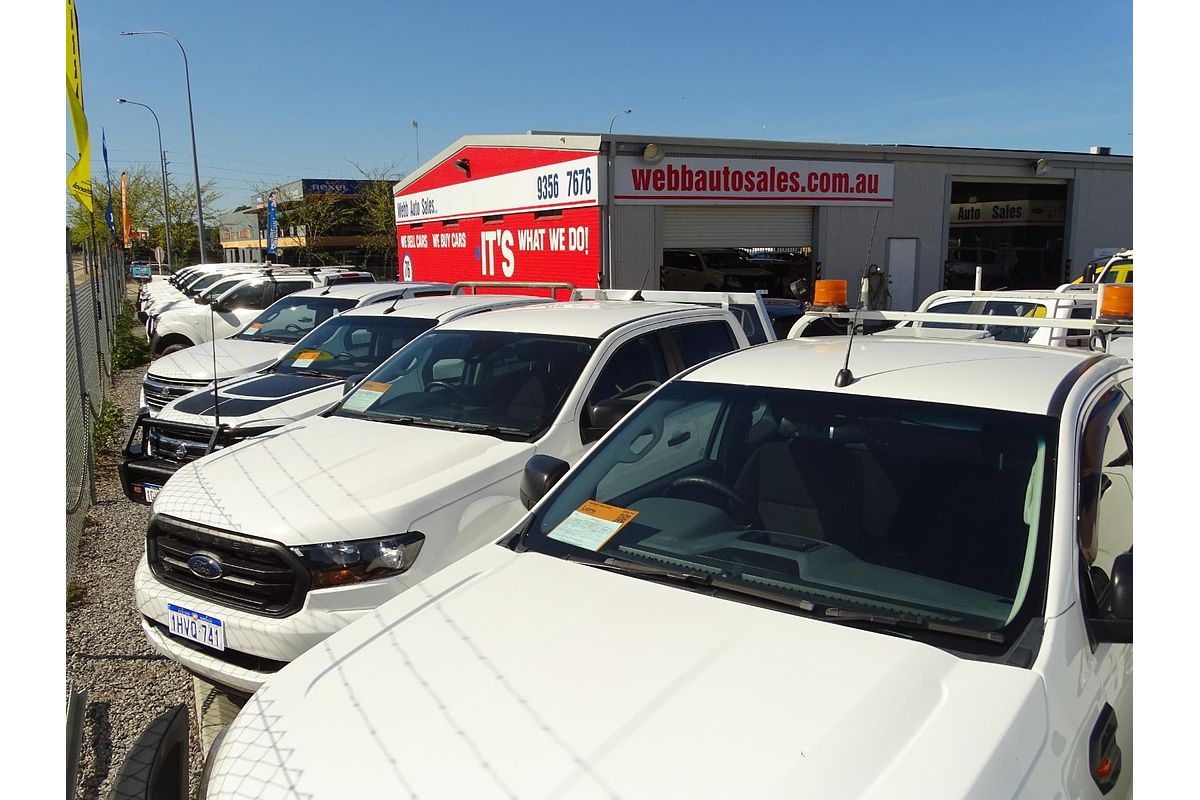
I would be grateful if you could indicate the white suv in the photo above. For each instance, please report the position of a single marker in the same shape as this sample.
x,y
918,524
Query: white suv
x,y
760,585
268,336
259,551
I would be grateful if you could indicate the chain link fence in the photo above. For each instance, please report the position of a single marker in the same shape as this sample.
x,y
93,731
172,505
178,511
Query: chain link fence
x,y
95,291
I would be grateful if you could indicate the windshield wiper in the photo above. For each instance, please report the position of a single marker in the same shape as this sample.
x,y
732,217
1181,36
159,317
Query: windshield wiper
x,y
487,430
646,570
916,622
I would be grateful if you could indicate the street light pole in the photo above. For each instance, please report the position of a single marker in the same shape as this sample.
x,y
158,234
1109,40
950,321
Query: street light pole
x,y
417,134
608,249
192,124
162,160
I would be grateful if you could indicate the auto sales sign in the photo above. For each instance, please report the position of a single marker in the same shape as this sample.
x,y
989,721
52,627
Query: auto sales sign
x,y
693,180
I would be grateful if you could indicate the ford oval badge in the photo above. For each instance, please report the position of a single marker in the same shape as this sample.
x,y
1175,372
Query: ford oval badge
x,y
205,566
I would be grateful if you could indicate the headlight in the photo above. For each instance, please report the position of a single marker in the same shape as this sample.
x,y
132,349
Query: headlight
x,y
341,563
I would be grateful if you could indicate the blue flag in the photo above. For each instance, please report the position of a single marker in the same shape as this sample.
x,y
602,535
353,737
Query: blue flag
x,y
272,227
108,212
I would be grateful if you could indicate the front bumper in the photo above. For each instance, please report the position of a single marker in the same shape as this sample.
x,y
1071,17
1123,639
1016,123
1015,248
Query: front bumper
x,y
255,646
140,467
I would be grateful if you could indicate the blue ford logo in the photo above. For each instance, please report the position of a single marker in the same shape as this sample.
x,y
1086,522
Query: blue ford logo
x,y
205,566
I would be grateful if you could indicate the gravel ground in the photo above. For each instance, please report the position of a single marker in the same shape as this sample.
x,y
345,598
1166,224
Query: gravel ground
x,y
128,684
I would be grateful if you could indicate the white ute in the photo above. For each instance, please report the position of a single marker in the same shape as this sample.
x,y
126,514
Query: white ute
x,y
259,551
307,379
760,585
268,336
194,323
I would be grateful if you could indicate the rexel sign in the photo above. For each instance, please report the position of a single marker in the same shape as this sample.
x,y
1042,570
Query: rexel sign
x,y
700,180
539,223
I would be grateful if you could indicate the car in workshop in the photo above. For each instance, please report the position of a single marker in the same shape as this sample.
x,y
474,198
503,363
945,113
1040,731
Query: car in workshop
x,y
711,270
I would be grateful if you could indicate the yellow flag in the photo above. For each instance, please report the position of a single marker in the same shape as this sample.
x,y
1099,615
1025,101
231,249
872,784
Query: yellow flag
x,y
79,179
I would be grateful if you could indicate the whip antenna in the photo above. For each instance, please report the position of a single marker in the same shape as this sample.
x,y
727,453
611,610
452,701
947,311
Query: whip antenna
x,y
212,326
845,377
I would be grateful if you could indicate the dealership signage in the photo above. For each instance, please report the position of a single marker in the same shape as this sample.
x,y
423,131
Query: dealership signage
x,y
1009,212
570,184
693,180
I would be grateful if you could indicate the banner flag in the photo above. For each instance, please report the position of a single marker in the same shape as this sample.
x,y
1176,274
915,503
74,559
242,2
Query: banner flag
x,y
79,179
272,226
124,212
108,212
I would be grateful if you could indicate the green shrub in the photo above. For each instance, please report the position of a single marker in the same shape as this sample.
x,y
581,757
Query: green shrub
x,y
130,348
107,426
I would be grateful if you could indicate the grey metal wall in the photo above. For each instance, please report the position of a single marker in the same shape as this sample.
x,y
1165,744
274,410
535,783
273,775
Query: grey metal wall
x,y
1100,214
637,246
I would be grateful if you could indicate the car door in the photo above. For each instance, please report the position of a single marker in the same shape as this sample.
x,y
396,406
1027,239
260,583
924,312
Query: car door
x,y
682,269
240,306
1105,530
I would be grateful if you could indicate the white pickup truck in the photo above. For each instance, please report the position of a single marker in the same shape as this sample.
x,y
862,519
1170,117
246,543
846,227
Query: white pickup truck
x,y
194,323
760,585
268,336
257,552
306,379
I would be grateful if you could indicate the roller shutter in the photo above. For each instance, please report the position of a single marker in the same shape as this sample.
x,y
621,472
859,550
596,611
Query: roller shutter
x,y
735,226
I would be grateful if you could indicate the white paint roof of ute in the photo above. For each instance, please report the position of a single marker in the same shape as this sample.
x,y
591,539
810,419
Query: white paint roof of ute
x,y
1010,377
584,318
357,291
442,306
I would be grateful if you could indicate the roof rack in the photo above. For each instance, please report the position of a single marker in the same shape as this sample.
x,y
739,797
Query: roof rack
x,y
553,286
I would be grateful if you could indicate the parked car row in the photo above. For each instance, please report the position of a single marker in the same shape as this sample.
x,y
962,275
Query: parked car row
x,y
565,548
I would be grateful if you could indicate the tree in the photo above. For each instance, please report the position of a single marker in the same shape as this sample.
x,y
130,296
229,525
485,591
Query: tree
x,y
376,212
144,204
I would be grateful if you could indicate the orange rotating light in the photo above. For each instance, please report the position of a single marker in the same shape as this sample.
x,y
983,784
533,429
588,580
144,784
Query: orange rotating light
x,y
829,293
1116,301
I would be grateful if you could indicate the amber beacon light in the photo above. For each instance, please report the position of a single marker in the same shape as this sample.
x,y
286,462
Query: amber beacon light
x,y
1116,302
829,293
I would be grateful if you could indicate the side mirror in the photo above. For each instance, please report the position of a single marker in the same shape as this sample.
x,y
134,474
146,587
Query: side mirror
x,y
541,473
1117,624
1120,590
605,414
219,307
156,767
351,382
199,300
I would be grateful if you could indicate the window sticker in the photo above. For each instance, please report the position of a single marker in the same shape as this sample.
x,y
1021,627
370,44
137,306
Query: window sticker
x,y
592,524
306,357
254,328
366,395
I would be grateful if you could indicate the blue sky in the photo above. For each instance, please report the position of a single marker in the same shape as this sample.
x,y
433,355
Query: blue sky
x,y
285,90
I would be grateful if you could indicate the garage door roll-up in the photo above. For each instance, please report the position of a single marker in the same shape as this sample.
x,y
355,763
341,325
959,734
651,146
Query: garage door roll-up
x,y
726,226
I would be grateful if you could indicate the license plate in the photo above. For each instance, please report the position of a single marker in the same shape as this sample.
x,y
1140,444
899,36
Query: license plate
x,y
151,490
208,631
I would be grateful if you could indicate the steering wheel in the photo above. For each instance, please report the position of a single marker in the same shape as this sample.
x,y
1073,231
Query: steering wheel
x,y
449,387
744,515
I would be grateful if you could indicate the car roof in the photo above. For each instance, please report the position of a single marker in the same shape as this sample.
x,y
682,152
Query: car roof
x,y
1011,377
358,291
589,319
444,306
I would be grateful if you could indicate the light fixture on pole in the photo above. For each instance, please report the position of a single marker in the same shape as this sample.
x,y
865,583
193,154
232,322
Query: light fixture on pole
x,y
417,134
608,250
191,122
162,160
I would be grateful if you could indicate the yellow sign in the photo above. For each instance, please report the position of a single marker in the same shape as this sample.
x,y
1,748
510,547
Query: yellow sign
x,y
79,179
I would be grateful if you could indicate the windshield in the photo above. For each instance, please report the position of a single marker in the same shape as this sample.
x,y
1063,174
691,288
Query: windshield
x,y
496,382
992,308
354,345
289,319
722,260
200,284
865,504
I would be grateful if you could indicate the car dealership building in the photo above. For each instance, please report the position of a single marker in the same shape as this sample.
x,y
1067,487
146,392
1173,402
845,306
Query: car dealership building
x,y
604,210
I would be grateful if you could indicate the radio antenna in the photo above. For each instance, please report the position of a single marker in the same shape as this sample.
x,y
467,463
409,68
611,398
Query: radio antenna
x,y
845,377
212,326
